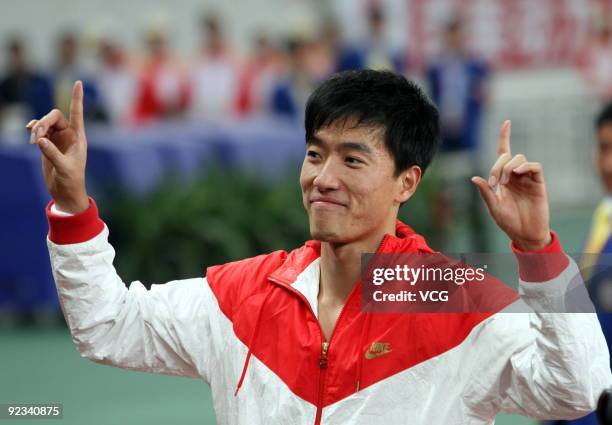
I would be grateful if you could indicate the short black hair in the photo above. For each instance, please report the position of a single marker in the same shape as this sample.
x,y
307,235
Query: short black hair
x,y
604,117
379,98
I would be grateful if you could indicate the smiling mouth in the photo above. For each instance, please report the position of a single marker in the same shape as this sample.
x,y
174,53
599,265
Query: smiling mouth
x,y
326,204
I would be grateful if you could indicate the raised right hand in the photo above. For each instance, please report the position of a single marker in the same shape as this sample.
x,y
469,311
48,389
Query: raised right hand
x,y
64,152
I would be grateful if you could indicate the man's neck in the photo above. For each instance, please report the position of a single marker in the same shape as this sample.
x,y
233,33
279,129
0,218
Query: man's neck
x,y
341,264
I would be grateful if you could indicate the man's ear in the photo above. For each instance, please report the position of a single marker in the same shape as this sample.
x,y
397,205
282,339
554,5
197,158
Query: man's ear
x,y
407,181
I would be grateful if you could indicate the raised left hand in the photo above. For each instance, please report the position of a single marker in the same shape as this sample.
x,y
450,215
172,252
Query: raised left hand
x,y
515,195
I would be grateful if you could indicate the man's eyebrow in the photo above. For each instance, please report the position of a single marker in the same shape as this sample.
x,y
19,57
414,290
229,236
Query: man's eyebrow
x,y
357,146
314,140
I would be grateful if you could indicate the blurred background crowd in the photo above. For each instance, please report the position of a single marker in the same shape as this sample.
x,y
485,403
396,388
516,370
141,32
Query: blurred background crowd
x,y
273,75
451,46
194,115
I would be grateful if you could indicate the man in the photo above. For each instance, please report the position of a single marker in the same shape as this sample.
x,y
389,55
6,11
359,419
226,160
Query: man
x,y
309,62
596,261
281,337
215,74
68,68
116,80
24,93
162,90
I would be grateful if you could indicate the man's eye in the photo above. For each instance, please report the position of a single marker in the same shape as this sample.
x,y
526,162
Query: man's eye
x,y
312,154
353,161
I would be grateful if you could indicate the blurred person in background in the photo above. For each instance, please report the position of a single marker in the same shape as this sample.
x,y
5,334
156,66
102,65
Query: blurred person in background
x,y
375,52
215,75
457,82
24,93
596,261
311,61
348,57
163,90
68,69
259,75
116,80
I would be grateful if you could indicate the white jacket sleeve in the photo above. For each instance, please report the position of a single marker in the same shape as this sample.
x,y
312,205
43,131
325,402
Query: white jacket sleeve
x,y
165,329
555,364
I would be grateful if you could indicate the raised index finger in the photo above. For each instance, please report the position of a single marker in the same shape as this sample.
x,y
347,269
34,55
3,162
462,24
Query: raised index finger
x,y
504,139
76,108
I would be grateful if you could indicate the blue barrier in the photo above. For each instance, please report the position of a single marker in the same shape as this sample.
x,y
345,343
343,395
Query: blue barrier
x,y
25,275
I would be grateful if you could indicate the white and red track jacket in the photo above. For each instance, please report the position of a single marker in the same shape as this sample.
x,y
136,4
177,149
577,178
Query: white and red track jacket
x,y
250,330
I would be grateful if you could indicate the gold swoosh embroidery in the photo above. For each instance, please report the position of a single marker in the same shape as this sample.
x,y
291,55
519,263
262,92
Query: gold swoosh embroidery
x,y
377,349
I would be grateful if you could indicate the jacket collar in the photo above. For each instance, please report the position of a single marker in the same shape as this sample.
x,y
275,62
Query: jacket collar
x,y
405,240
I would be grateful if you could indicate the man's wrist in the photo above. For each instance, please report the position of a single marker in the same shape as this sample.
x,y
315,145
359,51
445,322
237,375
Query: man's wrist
x,y
533,245
543,264
73,206
70,229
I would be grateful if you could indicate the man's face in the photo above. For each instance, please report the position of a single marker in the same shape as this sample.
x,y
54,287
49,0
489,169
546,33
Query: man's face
x,y
455,38
68,51
16,58
603,155
348,185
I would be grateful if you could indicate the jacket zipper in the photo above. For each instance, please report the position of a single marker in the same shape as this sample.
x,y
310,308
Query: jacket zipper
x,y
323,359
322,373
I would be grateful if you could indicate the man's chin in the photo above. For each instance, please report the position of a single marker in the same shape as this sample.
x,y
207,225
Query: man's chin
x,y
325,233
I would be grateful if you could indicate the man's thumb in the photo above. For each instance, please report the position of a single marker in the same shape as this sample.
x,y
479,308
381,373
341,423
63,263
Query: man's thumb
x,y
51,152
486,192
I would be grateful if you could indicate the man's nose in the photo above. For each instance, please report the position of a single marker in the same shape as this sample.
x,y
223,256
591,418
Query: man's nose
x,y
327,177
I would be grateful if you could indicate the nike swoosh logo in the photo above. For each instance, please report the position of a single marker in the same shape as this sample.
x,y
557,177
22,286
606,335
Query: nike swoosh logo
x,y
377,350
